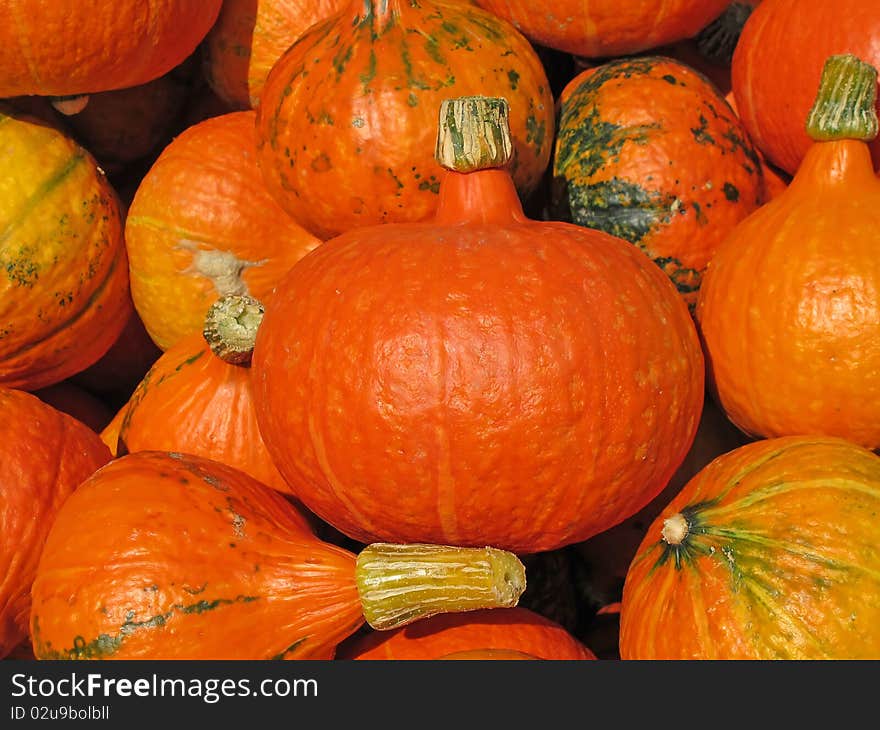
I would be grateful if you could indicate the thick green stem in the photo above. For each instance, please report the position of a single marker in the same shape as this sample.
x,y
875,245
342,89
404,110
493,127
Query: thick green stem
x,y
399,584
845,105
717,41
231,326
474,134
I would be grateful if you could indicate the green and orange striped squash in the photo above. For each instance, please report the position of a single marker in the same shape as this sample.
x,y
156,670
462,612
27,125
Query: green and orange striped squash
x,y
234,571
352,108
64,294
44,456
648,150
770,552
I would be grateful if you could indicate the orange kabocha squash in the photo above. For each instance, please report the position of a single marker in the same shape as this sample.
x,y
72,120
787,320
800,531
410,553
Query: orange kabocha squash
x,y
45,456
81,47
481,378
197,397
603,28
778,62
515,630
203,225
352,108
248,39
169,556
648,150
770,552
64,295
790,305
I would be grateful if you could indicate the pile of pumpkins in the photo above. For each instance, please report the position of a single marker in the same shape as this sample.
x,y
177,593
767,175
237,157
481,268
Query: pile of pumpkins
x,y
367,329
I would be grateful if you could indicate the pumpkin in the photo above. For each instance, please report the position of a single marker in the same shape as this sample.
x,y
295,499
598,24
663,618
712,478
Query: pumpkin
x,y
77,402
481,378
64,296
604,28
672,176
250,36
234,571
202,225
489,654
778,63
196,398
790,307
82,47
770,552
45,456
507,630
352,106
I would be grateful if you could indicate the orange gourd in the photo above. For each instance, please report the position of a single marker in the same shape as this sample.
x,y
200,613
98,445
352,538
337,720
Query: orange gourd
x,y
481,378
233,571
513,630
352,107
82,46
790,306
45,456
203,225
770,552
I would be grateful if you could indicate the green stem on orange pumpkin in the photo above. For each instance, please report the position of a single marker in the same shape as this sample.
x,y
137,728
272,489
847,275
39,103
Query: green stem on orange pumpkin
x,y
399,584
231,326
844,106
717,41
474,134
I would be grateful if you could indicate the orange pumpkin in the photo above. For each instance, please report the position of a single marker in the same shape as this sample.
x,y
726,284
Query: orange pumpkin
x,y
513,630
81,46
770,552
64,297
248,39
203,225
604,28
481,378
196,398
234,571
790,306
45,456
352,108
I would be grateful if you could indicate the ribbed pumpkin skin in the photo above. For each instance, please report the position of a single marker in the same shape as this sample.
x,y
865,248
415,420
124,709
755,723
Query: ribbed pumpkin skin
x,y
352,108
778,63
648,150
511,629
482,379
603,28
45,456
82,47
790,306
250,36
202,225
233,570
193,402
781,562
64,294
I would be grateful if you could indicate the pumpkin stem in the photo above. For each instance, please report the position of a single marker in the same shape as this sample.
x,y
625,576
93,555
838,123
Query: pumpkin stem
x,y
474,134
844,106
70,105
231,326
675,529
399,584
717,41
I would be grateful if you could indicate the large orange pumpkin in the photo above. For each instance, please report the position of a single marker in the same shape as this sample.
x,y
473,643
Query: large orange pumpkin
x,y
45,456
352,108
604,28
778,63
515,630
481,378
233,571
790,306
202,225
770,552
64,294
83,46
